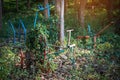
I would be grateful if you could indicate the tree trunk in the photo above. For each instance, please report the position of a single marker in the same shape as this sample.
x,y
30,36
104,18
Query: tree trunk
x,y
0,14
17,5
59,5
46,11
57,11
62,23
82,12
28,4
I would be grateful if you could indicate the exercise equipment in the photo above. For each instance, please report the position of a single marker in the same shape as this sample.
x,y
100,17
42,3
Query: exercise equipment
x,y
18,31
41,8
94,36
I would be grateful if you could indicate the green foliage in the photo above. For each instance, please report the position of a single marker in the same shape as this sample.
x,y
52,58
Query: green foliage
x,y
53,66
109,45
71,22
104,47
96,18
47,66
6,62
113,39
18,73
104,50
36,41
91,62
53,29
3,31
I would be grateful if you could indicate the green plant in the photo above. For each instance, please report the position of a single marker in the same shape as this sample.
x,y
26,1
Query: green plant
x,y
51,25
47,66
37,41
20,73
53,66
104,47
104,50
109,46
38,78
6,62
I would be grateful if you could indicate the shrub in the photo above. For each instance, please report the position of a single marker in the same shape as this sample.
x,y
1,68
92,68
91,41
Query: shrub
x,y
6,62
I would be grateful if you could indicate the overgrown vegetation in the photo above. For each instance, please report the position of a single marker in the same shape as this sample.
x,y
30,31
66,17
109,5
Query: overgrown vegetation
x,y
41,60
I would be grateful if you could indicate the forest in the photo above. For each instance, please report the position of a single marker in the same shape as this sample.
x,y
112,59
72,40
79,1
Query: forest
x,y
59,39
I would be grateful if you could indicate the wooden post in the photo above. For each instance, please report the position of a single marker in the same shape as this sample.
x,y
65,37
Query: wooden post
x,y
22,57
69,35
104,28
95,37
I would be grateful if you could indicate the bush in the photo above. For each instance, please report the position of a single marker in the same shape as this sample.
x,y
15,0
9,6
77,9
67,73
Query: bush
x,y
6,62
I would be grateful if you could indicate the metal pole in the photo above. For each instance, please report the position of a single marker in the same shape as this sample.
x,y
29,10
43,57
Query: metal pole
x,y
36,16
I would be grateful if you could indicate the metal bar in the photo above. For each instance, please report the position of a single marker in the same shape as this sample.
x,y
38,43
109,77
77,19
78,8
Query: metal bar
x,y
36,17
23,26
89,30
48,7
14,32
41,8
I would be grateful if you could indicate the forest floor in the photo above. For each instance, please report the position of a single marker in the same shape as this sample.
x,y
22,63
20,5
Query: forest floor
x,y
87,66
82,64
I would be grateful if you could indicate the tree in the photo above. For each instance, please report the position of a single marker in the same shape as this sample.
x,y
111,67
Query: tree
x,y
62,23
57,6
57,11
46,11
60,12
0,14
82,12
